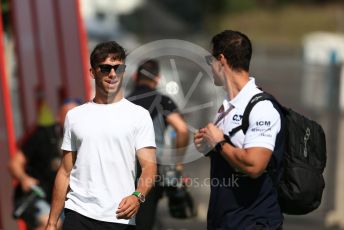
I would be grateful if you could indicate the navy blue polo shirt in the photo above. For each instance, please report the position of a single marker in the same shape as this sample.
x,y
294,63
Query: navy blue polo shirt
x,y
236,200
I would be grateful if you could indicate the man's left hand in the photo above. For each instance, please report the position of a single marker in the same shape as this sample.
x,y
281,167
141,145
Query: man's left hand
x,y
213,135
128,207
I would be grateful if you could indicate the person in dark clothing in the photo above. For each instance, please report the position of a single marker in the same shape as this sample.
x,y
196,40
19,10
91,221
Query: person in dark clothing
x,y
36,163
243,195
163,112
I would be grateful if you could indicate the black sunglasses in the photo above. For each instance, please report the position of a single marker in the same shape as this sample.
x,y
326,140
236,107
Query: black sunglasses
x,y
106,68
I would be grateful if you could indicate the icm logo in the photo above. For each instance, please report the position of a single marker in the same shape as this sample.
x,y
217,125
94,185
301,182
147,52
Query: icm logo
x,y
237,117
263,123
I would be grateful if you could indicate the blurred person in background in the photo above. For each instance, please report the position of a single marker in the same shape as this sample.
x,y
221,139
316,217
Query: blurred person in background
x,y
95,183
244,196
36,163
163,112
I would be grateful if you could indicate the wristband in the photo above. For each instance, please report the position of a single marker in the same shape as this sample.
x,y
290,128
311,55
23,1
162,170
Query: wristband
x,y
140,196
218,146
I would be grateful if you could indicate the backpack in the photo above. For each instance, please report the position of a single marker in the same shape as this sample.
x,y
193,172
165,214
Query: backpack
x,y
300,182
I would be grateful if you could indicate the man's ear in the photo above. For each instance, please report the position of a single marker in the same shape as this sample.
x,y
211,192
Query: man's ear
x,y
222,59
92,73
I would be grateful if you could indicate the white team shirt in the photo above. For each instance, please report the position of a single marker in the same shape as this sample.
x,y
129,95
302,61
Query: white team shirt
x,y
264,119
105,137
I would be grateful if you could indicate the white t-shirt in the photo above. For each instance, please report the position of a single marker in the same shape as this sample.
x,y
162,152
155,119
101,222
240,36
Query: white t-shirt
x,y
105,137
264,120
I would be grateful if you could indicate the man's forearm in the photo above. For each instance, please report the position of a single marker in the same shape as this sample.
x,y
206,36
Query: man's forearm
x,y
18,173
16,166
252,162
59,196
236,157
147,179
182,141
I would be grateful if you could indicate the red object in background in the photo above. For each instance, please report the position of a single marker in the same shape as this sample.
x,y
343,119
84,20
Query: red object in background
x,y
0,218
52,63
52,54
7,142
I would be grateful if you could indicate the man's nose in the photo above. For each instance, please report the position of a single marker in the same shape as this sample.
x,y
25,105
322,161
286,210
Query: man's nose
x,y
112,72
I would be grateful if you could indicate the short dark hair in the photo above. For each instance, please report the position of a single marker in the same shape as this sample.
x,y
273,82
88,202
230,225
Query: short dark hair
x,y
103,50
148,70
235,46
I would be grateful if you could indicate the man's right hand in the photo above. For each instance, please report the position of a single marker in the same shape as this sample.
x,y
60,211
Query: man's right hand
x,y
27,182
200,143
128,207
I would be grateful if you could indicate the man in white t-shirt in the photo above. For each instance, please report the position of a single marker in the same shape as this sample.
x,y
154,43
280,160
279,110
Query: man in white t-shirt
x,y
96,180
242,192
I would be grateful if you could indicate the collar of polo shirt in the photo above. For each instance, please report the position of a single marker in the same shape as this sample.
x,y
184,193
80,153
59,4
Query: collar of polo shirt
x,y
244,94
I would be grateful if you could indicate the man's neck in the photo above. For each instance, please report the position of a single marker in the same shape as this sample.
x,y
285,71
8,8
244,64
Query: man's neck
x,y
235,81
108,99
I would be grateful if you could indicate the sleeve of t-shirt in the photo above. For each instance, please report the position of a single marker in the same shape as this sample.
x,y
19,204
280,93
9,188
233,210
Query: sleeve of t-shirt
x,y
144,136
68,143
264,125
168,106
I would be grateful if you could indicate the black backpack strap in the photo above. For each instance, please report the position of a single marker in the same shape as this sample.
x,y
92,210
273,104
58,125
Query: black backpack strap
x,y
272,166
245,119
